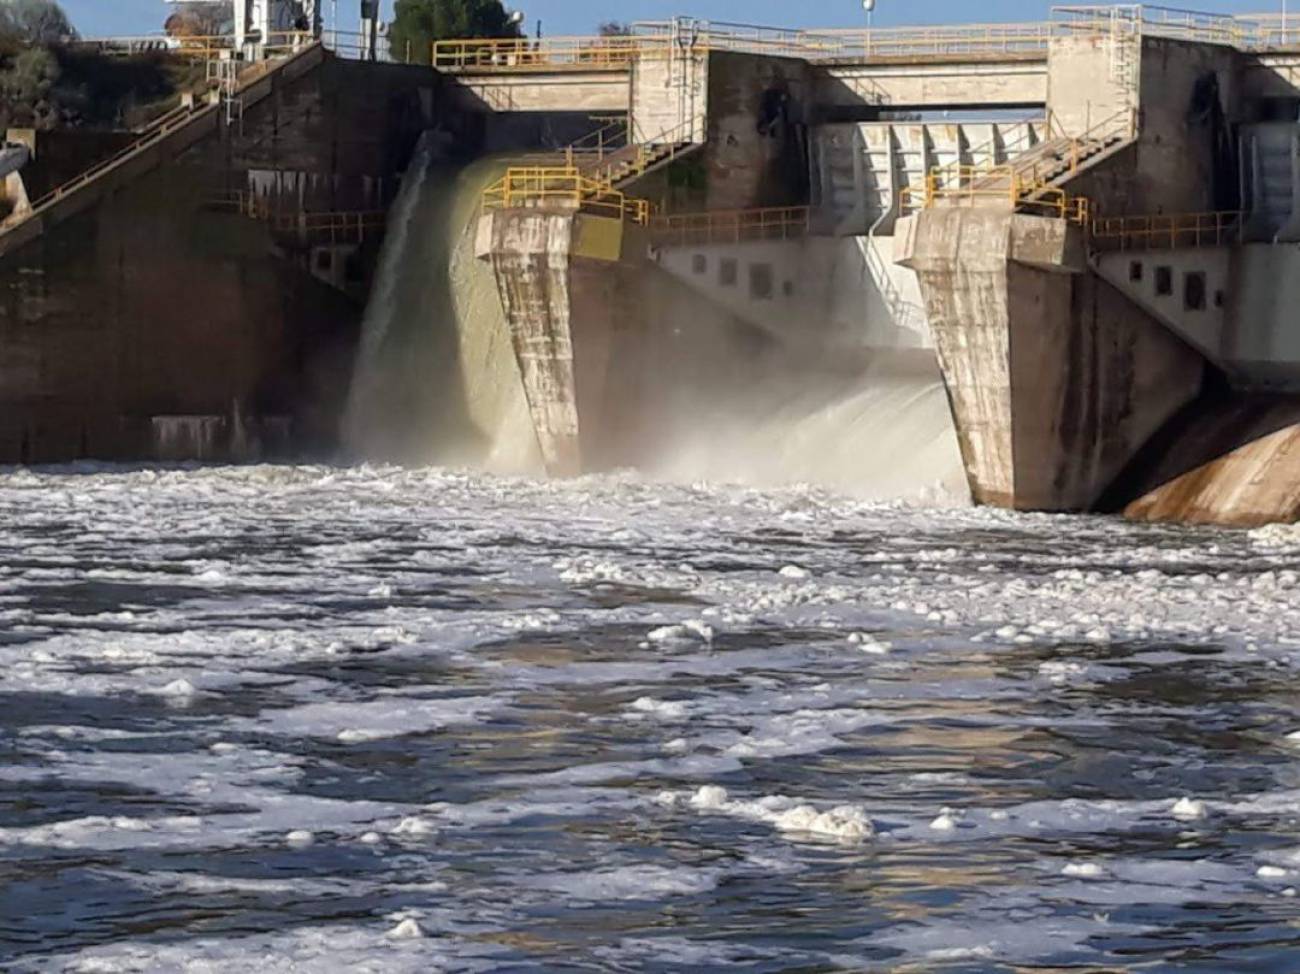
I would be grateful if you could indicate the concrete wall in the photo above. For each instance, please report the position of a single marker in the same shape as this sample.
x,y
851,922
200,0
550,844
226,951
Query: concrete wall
x,y
1180,162
847,89
755,155
824,291
540,91
1158,281
1085,84
149,306
669,96
149,303
337,140
1056,379
1263,341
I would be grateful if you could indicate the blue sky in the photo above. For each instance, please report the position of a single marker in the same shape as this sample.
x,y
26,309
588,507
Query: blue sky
x,y
94,17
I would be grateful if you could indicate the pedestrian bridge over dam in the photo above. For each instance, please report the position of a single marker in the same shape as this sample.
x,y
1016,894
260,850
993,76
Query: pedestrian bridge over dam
x,y
1077,225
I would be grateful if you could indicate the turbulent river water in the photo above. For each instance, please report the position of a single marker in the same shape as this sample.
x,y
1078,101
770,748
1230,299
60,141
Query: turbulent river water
x,y
371,719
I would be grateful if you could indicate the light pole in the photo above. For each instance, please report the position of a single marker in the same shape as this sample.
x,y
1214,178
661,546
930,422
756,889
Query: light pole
x,y
869,6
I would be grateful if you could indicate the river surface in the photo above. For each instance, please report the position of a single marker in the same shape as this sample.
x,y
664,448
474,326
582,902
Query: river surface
x,y
370,719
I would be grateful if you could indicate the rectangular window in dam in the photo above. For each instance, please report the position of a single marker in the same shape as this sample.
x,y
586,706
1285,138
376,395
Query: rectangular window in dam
x,y
760,282
699,264
1164,281
1194,291
1135,270
727,272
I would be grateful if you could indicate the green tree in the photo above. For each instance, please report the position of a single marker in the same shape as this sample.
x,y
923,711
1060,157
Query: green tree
x,y
418,23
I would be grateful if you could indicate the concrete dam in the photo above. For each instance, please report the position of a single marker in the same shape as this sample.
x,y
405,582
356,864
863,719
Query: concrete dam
x,y
1042,266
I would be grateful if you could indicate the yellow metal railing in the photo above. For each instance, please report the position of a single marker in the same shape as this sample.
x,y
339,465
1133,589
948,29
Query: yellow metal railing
x,y
1167,231
565,187
545,53
996,185
732,226
953,41
1251,32
604,141
335,226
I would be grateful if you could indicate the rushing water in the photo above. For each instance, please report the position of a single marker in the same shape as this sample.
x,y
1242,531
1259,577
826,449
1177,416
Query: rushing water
x,y
378,720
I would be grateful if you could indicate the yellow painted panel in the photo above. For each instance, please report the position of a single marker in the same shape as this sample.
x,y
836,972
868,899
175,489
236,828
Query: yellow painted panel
x,y
597,237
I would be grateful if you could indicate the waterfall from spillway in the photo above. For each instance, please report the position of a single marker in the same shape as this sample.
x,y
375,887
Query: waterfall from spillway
x,y
883,431
691,392
436,378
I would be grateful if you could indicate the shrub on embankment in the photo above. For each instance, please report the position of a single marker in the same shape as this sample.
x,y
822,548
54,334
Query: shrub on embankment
x,y
47,82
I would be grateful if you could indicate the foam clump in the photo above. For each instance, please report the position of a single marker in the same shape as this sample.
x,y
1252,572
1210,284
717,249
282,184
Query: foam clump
x,y
946,820
869,643
413,825
300,838
1083,870
710,797
793,571
408,929
845,823
179,689
692,630
665,709
1189,810
1271,872
1060,671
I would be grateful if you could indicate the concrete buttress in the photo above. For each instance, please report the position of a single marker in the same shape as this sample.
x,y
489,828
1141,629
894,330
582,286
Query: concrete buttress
x,y
549,265
1055,379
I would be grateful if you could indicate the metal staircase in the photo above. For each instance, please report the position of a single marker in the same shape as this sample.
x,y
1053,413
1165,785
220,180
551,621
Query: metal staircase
x,y
596,170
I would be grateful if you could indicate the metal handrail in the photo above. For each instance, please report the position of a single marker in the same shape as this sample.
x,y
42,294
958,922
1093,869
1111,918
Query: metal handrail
x,y
567,187
1168,231
545,53
608,138
998,185
732,226
173,121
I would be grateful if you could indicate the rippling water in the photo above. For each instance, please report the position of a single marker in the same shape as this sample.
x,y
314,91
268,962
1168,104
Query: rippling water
x,y
381,720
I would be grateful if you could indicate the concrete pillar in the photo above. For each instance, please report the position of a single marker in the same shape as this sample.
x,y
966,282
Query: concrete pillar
x,y
1055,379
557,305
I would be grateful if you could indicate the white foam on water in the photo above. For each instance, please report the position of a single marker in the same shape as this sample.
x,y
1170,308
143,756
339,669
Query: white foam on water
x,y
643,882
846,824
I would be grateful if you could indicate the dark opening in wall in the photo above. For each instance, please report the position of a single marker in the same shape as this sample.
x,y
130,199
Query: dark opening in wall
x,y
1194,291
1219,299
1164,281
1135,270
787,288
699,264
727,272
324,260
760,282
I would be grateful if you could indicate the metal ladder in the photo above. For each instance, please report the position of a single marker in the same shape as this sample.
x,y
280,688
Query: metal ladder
x,y
223,72
1126,52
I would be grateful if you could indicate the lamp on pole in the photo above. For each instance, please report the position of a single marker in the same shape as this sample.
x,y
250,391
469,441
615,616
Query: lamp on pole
x,y
869,6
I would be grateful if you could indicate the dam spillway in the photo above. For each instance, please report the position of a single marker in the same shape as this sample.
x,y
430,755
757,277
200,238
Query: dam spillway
x,y
1029,264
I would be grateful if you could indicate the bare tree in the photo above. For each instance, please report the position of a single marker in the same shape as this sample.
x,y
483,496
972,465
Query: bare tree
x,y
200,20
35,22
613,28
